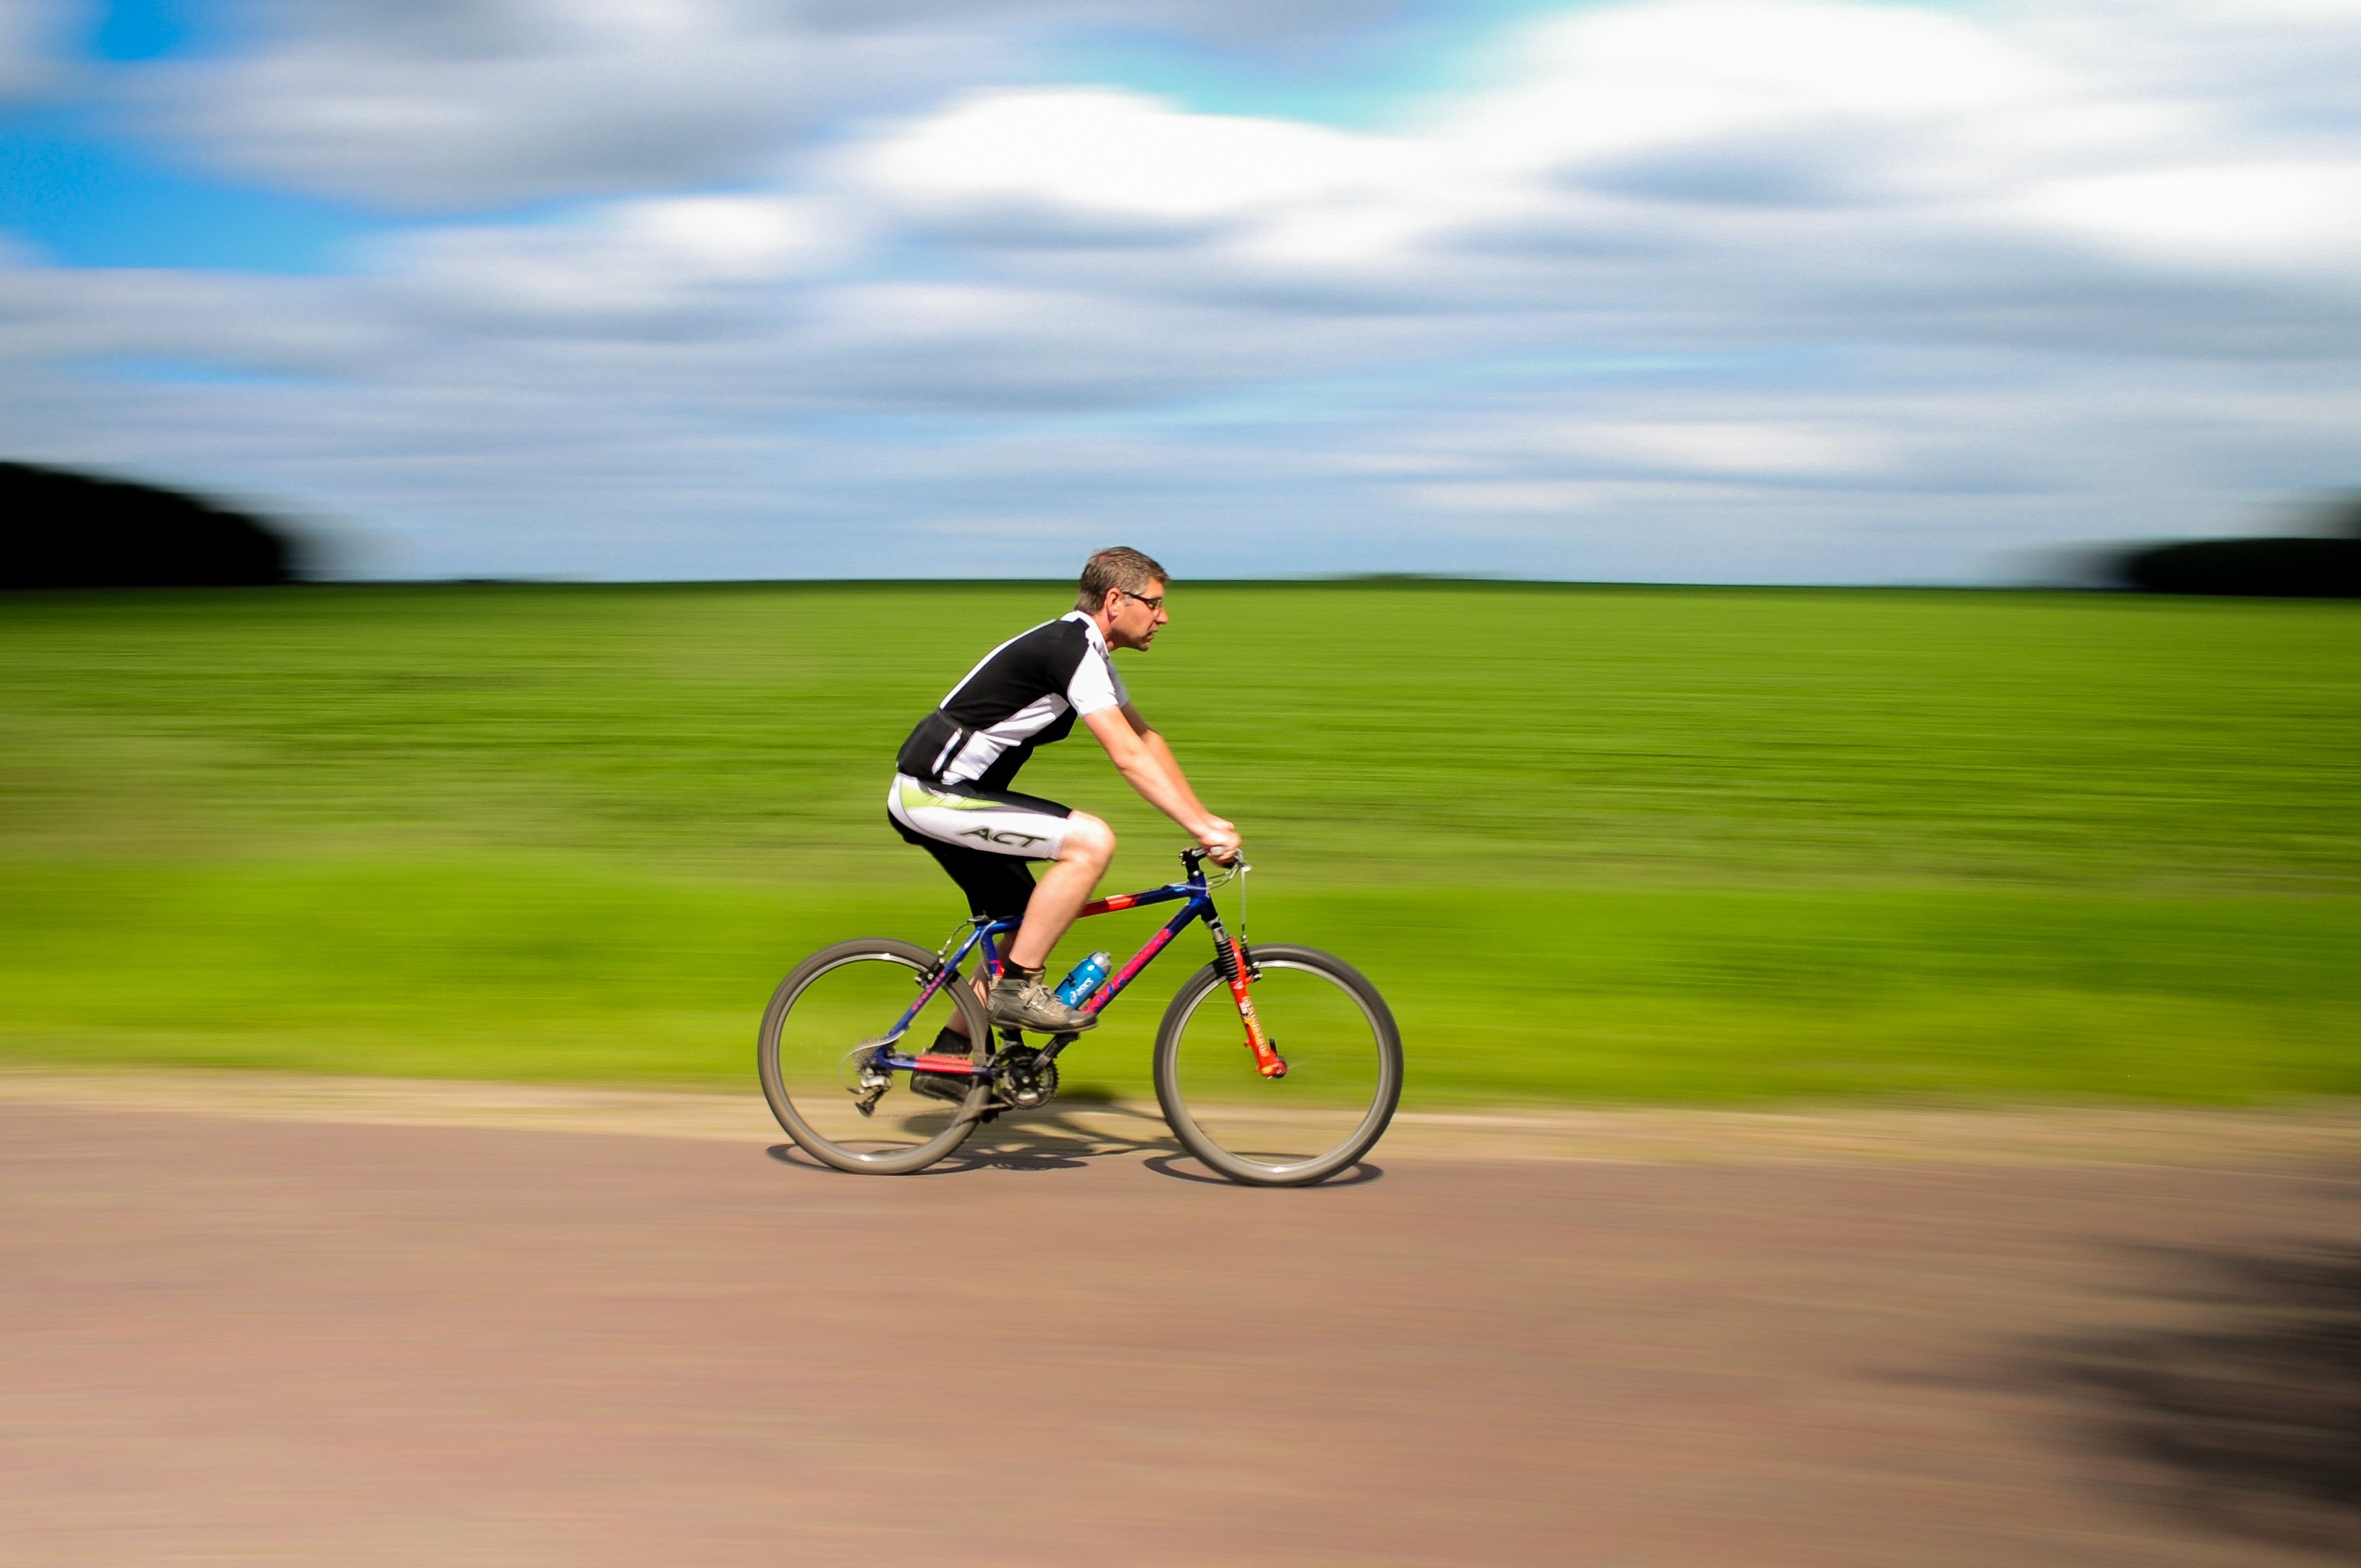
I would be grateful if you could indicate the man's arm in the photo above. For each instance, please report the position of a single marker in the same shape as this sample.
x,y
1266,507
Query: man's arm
x,y
1147,764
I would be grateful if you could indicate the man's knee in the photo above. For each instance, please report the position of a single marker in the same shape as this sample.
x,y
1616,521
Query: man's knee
x,y
1088,837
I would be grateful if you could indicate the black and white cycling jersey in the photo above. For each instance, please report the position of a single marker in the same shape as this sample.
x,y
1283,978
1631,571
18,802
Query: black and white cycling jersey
x,y
1026,693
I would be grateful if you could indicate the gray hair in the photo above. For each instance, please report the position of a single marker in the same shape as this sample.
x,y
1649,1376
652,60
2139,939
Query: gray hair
x,y
1118,567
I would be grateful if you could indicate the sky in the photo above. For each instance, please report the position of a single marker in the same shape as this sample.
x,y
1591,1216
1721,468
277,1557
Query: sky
x,y
1697,291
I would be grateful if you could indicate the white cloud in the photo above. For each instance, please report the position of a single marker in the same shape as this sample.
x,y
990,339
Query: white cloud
x,y
1118,156
2291,215
1787,289
51,317
1612,81
628,265
511,101
1735,446
452,108
1661,128
32,39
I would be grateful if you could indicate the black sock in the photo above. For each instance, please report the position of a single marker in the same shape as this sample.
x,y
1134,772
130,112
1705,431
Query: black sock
x,y
949,1042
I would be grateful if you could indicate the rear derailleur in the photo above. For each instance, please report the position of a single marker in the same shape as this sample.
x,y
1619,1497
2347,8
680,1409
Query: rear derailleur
x,y
869,1079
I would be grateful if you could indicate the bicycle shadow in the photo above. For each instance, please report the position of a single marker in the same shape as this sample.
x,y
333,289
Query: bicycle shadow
x,y
1055,1137
1064,1137
1070,1138
1184,1168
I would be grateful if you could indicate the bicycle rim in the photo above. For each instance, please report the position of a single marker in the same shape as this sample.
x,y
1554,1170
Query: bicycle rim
x,y
837,1007
1343,1077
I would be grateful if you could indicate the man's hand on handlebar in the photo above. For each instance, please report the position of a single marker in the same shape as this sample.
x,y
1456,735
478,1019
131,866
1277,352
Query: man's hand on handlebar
x,y
1221,840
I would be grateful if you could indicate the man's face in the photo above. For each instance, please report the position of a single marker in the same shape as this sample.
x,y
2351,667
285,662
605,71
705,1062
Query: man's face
x,y
1133,620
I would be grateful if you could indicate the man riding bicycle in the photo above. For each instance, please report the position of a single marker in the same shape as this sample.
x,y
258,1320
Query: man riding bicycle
x,y
950,795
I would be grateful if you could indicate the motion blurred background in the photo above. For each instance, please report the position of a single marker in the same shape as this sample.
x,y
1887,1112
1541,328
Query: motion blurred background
x,y
691,313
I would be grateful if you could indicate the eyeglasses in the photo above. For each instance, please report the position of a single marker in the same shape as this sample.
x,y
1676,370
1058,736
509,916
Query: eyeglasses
x,y
1156,603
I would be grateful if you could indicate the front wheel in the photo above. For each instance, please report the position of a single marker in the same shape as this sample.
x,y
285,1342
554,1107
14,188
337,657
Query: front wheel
x,y
825,1024
1344,1069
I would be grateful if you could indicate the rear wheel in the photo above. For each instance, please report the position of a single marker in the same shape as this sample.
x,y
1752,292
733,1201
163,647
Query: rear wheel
x,y
1344,1069
825,1024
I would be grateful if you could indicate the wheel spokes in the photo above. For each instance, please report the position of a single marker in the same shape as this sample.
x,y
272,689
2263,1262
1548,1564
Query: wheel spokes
x,y
1336,1071
848,1095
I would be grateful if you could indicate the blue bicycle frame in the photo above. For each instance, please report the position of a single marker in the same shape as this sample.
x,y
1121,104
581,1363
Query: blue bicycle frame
x,y
1196,899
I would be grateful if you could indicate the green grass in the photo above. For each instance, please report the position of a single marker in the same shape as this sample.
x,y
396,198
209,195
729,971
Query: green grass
x,y
1594,843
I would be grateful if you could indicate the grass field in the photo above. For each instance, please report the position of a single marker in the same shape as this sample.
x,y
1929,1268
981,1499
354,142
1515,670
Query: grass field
x,y
1595,843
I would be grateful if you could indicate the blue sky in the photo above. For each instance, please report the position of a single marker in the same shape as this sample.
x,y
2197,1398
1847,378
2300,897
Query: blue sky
x,y
81,182
89,197
1685,289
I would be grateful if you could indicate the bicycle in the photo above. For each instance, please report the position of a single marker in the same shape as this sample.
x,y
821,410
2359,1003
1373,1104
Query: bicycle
x,y
847,1092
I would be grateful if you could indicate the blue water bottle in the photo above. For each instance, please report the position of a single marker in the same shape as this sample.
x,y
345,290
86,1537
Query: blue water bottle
x,y
1076,987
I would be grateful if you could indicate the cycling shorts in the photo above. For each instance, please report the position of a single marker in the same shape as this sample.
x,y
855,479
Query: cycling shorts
x,y
981,837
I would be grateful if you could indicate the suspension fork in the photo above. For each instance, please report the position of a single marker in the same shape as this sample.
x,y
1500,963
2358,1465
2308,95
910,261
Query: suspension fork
x,y
1238,971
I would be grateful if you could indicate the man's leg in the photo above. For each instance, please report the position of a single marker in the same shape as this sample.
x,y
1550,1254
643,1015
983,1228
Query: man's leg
x,y
1063,891
1021,998
998,887
972,831
1057,899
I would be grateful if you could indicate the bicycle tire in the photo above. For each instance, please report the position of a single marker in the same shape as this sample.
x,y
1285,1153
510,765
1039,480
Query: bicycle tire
x,y
815,1124
1325,1137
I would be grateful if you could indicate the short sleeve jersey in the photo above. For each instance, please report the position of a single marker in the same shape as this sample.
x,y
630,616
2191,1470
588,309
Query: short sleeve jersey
x,y
1026,693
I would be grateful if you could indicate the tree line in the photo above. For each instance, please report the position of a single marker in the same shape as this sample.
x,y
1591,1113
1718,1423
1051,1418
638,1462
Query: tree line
x,y
65,529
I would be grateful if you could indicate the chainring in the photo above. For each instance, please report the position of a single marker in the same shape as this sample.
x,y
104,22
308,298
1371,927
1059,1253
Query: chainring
x,y
1023,1079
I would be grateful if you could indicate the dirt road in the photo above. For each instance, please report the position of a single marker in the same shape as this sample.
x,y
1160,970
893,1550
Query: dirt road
x,y
232,1340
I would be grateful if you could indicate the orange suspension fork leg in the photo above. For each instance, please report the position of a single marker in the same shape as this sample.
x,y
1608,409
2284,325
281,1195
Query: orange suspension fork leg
x,y
1268,1062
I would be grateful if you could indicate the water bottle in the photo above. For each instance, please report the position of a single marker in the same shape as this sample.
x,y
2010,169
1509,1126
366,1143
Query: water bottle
x,y
1076,987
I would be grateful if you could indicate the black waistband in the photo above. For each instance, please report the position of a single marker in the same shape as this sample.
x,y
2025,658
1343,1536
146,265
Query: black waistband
x,y
931,746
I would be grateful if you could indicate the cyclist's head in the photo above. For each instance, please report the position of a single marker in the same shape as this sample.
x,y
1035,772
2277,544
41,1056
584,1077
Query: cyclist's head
x,y
1121,568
